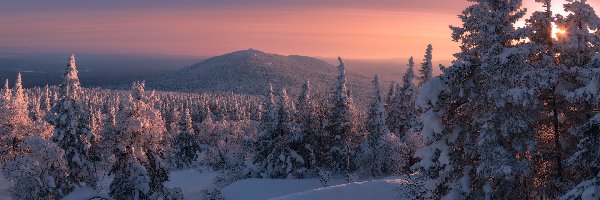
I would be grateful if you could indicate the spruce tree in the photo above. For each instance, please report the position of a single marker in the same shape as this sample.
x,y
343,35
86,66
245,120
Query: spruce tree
x,y
341,127
376,129
548,76
40,173
17,125
270,105
72,131
402,113
7,92
140,156
582,102
46,105
390,95
131,177
310,129
185,142
4,112
426,70
579,44
278,145
478,117
19,116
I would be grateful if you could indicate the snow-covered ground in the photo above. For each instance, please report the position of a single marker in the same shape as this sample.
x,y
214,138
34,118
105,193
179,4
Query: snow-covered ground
x,y
392,188
192,182
269,188
4,195
376,189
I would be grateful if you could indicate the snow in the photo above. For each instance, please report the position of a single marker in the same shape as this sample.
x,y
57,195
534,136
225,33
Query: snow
x,y
429,93
376,189
249,189
191,181
594,86
85,193
4,194
432,124
590,194
586,190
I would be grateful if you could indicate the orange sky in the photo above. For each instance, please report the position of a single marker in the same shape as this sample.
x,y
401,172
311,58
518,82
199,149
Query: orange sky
x,y
352,32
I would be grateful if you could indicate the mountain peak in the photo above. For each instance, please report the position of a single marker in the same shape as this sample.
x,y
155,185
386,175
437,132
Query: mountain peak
x,y
250,50
246,52
250,71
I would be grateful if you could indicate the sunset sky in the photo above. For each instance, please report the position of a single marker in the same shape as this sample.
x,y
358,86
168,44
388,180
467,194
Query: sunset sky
x,y
358,29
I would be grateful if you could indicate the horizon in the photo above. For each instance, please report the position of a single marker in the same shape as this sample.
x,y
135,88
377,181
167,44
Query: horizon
x,y
290,100
385,30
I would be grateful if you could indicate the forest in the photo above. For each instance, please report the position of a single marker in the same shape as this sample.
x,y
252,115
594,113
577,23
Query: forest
x,y
516,116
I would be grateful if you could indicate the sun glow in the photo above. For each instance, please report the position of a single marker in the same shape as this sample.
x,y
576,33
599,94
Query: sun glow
x,y
558,9
556,31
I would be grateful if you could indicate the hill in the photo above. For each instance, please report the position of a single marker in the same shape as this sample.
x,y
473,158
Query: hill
x,y
250,71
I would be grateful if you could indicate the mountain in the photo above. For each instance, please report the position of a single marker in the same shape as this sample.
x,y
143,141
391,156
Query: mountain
x,y
250,71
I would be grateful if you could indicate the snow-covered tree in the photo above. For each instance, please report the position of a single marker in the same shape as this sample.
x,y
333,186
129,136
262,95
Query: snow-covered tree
x,y
270,106
391,94
580,43
382,153
131,180
140,155
426,70
7,92
185,143
547,75
402,114
206,128
587,127
376,129
19,105
17,124
394,155
564,66
587,156
36,113
4,113
341,127
172,117
19,112
478,116
278,145
41,173
72,130
46,105
309,127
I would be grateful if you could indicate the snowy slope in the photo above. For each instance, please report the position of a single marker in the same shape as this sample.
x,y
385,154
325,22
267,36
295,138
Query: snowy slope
x,y
4,195
191,181
385,189
250,71
250,189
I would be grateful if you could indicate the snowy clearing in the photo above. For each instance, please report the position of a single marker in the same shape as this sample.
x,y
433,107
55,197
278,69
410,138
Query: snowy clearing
x,y
191,181
4,194
376,189
248,189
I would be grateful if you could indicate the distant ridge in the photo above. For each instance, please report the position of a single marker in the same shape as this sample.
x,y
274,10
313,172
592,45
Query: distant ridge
x,y
250,71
